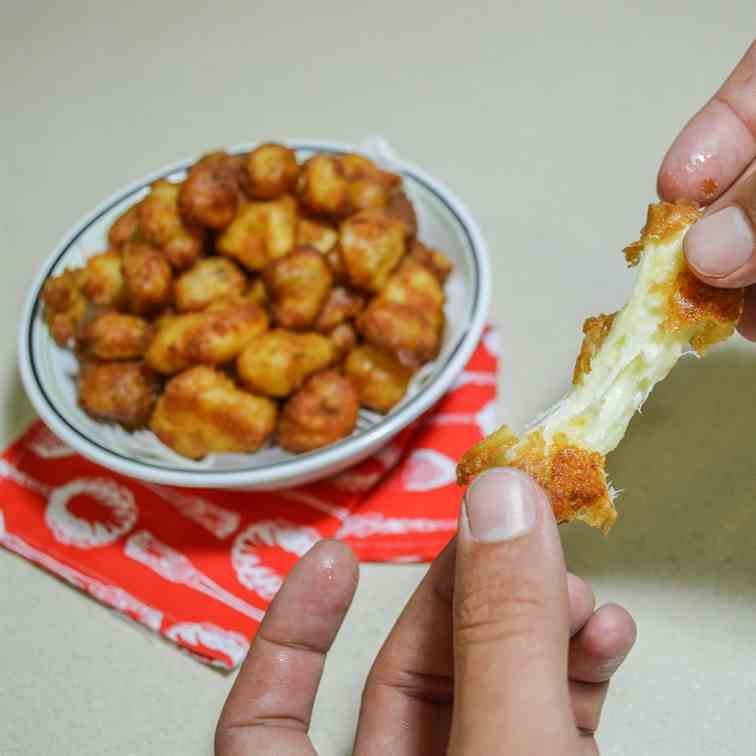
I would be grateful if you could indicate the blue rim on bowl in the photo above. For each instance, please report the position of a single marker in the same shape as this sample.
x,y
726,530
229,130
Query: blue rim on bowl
x,y
302,467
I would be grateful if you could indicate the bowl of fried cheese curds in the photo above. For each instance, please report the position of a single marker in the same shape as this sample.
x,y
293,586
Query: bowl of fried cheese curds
x,y
261,316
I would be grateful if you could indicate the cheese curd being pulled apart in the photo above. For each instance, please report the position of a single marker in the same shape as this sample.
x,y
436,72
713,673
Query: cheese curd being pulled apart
x,y
670,312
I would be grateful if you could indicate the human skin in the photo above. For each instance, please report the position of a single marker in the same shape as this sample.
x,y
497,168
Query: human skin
x,y
499,650
713,162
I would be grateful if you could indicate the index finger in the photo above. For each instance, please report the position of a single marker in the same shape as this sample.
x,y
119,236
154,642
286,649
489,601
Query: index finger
x,y
717,144
268,710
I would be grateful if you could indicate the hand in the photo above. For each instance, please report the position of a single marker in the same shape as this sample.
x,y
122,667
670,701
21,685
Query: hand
x,y
713,162
499,650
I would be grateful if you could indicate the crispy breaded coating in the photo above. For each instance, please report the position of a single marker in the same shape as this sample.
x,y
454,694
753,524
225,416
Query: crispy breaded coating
x,y
323,411
64,304
125,228
336,264
210,194
341,305
595,331
271,170
436,262
622,357
312,233
257,293
277,362
407,317
209,279
344,339
114,336
379,378
147,278
203,412
298,285
160,223
367,185
322,187
401,208
103,283
117,392
338,185
213,336
260,233
371,245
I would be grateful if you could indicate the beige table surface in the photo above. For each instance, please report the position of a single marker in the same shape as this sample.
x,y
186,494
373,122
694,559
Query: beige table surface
x,y
549,119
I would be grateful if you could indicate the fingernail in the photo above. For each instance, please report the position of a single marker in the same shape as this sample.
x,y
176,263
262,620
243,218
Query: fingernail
x,y
720,243
500,505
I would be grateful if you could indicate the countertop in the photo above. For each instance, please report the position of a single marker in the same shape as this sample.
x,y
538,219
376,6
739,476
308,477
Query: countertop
x,y
549,120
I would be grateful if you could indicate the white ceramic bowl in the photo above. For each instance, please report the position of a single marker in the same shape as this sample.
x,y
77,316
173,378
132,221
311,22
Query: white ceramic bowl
x,y
48,371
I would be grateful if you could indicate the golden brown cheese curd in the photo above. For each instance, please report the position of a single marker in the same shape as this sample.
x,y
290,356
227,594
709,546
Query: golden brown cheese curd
x,y
297,285
65,304
338,185
322,187
160,223
436,262
271,170
379,378
103,284
277,362
211,337
202,412
367,185
344,339
400,208
407,317
209,279
210,194
125,228
323,411
114,336
341,305
260,233
312,233
118,392
372,244
147,277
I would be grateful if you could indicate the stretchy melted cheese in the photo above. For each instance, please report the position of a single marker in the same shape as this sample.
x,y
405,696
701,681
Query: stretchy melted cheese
x,y
622,357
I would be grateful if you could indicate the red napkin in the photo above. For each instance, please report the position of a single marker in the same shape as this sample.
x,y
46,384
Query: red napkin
x,y
201,566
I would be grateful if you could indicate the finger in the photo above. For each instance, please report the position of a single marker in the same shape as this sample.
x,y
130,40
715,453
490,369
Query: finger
x,y
411,680
581,600
406,706
587,702
597,651
268,710
717,144
747,322
511,623
721,247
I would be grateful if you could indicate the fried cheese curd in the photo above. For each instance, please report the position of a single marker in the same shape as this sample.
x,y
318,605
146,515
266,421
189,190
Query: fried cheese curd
x,y
209,279
114,336
161,223
669,312
407,317
298,285
256,281
214,336
210,194
202,411
64,304
320,413
117,392
259,233
378,377
277,362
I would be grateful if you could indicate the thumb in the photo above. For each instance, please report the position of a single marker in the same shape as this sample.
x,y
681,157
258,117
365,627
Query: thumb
x,y
511,623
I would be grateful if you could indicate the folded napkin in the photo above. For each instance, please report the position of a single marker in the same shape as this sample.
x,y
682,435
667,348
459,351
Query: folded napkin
x,y
201,566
